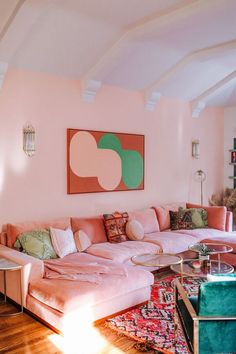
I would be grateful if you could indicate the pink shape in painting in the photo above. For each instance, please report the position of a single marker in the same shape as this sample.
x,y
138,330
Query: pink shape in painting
x,y
105,164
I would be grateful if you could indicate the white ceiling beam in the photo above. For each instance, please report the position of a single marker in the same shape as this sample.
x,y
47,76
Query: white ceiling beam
x,y
5,27
199,103
108,61
11,17
89,90
151,101
199,54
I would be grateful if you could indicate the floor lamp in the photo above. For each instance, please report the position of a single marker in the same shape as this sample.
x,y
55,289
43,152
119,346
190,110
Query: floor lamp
x,y
200,176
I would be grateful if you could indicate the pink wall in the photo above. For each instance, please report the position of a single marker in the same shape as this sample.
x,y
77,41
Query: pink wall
x,y
35,188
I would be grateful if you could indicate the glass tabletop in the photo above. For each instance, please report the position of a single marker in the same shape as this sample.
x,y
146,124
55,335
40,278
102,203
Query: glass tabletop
x,y
6,264
213,248
187,268
156,260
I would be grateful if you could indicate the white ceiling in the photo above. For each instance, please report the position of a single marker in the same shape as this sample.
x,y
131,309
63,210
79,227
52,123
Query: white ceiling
x,y
177,48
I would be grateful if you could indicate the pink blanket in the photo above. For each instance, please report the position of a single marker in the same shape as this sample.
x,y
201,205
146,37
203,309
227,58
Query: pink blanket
x,y
90,272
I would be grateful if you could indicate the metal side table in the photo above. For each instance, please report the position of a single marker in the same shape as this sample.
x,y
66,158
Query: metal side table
x,y
9,266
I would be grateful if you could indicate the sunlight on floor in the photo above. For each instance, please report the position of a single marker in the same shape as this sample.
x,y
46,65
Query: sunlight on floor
x,y
90,341
81,337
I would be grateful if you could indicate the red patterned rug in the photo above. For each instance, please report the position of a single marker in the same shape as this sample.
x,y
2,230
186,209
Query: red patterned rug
x,y
154,325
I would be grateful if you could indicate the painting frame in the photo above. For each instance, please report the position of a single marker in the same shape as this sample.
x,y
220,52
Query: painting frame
x,y
125,154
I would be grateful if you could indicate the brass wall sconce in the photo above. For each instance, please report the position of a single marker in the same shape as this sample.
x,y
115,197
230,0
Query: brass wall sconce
x,y
29,140
195,149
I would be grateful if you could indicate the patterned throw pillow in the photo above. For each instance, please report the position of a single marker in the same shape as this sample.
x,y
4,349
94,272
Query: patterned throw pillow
x,y
115,226
199,217
36,243
180,220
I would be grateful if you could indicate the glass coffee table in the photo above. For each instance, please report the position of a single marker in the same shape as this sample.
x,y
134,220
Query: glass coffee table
x,y
156,260
213,248
186,268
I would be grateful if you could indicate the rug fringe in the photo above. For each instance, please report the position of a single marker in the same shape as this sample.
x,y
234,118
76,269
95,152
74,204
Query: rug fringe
x,y
147,347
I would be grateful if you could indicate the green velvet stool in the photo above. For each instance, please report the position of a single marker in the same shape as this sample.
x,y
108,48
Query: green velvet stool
x,y
209,319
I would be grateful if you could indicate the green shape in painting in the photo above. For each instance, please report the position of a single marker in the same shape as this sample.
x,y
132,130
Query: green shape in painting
x,y
132,168
110,141
132,161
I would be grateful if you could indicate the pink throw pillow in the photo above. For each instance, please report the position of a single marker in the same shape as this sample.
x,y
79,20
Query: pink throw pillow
x,y
163,215
134,230
63,241
216,215
82,240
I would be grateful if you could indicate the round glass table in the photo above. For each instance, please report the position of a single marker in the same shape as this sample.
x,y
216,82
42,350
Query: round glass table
x,y
186,268
156,260
212,248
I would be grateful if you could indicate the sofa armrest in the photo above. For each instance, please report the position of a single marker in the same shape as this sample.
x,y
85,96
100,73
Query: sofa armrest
x,y
229,221
32,269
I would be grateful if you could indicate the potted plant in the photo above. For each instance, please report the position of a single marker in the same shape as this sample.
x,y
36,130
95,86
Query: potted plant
x,y
203,250
204,256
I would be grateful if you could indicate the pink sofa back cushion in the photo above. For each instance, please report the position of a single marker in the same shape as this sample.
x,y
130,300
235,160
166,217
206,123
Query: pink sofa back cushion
x,y
147,218
93,227
163,214
216,215
14,230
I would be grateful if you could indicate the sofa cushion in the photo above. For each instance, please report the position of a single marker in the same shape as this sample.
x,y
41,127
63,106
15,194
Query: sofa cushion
x,y
37,243
134,230
216,215
201,234
180,220
163,216
78,294
115,226
93,227
82,240
63,241
14,230
211,295
170,242
121,252
199,217
147,218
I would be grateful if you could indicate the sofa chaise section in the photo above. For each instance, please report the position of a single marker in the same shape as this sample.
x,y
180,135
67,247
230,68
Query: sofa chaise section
x,y
115,293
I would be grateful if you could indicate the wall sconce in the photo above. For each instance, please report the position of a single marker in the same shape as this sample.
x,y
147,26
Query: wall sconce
x,y
29,140
195,149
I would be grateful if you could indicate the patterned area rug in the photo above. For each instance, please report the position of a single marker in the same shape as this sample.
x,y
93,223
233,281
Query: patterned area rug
x,y
153,324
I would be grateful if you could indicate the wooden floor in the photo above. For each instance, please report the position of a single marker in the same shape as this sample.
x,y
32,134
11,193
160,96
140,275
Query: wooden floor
x,y
23,334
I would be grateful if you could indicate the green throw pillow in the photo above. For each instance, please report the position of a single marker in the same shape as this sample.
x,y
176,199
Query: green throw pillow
x,y
36,243
199,217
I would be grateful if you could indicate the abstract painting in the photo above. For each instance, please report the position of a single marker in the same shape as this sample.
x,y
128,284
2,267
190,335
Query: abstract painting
x,y
102,161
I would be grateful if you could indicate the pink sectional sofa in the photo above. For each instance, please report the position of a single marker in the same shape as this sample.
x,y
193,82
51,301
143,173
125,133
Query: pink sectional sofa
x,y
60,302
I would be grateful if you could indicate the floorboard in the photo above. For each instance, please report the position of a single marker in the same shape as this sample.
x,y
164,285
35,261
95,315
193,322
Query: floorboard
x,y
23,334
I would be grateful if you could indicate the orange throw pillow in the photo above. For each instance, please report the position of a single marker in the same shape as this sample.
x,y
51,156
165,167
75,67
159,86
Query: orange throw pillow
x,y
216,215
